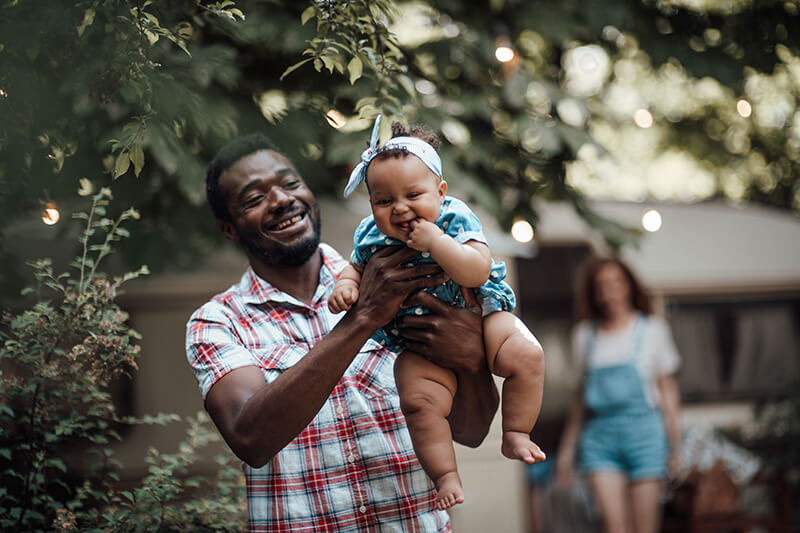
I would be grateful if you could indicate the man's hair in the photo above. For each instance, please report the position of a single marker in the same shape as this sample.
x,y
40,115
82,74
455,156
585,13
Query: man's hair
x,y
225,159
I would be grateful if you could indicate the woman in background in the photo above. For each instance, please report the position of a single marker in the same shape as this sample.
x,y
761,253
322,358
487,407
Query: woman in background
x,y
622,427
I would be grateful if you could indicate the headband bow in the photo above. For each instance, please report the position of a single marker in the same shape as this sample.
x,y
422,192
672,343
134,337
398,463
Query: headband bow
x,y
413,145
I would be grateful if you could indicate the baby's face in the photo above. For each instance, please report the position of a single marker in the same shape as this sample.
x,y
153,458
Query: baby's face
x,y
400,190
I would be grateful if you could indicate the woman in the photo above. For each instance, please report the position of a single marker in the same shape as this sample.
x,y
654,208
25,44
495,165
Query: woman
x,y
623,422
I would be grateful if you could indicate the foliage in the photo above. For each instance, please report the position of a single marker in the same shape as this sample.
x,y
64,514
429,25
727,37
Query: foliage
x,y
168,83
58,365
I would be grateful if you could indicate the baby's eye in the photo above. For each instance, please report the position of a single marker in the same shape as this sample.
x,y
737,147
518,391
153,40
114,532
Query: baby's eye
x,y
414,194
382,202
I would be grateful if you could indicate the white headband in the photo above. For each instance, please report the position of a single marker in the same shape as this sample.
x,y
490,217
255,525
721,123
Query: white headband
x,y
424,151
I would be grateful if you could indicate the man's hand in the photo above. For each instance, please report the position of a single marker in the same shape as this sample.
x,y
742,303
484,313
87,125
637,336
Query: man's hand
x,y
449,336
452,337
422,234
386,282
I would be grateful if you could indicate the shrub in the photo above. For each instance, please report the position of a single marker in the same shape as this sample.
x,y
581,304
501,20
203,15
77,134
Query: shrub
x,y
58,419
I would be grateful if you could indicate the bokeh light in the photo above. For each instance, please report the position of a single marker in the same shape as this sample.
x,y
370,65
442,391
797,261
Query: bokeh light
x,y
522,231
50,215
335,118
651,220
643,118
504,54
743,107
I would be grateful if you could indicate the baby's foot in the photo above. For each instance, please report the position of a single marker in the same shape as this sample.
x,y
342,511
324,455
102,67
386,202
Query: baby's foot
x,y
449,491
517,445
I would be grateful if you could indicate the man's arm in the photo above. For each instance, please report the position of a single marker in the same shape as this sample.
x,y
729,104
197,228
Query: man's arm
x,y
452,337
256,420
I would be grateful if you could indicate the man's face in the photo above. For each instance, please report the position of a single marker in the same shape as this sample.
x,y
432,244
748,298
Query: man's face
x,y
274,214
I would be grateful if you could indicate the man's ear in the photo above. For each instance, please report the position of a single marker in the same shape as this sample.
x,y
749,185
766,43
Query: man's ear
x,y
229,230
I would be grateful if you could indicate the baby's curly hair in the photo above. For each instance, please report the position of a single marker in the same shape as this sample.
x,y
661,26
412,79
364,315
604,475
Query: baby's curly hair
x,y
398,130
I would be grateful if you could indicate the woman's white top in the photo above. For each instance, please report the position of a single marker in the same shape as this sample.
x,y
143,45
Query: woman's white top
x,y
658,356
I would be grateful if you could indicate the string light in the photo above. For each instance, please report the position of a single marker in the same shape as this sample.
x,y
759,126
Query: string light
x,y
504,54
522,231
643,118
651,220
743,107
50,215
335,118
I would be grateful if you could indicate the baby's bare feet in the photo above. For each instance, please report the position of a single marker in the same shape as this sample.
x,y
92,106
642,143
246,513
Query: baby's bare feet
x,y
517,445
449,491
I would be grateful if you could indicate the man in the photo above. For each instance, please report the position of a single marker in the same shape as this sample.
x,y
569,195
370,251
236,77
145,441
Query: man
x,y
304,397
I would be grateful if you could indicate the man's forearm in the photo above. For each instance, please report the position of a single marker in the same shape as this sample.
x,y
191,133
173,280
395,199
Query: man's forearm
x,y
474,407
259,426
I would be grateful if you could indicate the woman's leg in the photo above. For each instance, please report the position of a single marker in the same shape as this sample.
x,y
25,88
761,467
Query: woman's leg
x,y
611,497
646,505
426,395
514,353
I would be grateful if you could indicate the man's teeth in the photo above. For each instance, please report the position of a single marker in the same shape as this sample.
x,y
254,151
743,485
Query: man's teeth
x,y
287,223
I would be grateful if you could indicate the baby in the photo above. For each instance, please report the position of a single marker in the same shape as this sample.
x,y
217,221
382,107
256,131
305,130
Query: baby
x,y
409,206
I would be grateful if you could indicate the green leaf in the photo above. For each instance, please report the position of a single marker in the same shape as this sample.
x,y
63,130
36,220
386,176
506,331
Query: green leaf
x,y
121,165
294,67
137,158
307,15
330,63
355,67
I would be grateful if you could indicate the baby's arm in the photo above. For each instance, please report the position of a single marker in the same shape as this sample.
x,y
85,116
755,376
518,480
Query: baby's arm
x,y
345,292
467,264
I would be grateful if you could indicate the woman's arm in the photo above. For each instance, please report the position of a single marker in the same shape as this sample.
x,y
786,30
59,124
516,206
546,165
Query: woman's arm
x,y
452,337
670,407
565,457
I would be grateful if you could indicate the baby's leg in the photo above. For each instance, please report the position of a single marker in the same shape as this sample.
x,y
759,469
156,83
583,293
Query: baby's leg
x,y
426,396
514,353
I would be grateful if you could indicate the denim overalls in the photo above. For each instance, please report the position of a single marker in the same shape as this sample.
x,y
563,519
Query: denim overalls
x,y
622,432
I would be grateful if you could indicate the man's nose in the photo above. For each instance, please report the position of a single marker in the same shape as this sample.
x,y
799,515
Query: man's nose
x,y
278,199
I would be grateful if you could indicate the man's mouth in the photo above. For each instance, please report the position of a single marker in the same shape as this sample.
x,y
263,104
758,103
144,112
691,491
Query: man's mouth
x,y
283,224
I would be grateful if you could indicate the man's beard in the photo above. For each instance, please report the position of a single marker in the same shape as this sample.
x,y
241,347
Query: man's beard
x,y
291,255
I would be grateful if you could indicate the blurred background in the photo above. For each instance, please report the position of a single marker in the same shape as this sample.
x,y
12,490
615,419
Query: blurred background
x,y
667,131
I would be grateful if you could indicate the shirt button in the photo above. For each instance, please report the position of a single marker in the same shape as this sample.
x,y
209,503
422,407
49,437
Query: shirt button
x,y
362,509
351,458
388,240
418,311
425,254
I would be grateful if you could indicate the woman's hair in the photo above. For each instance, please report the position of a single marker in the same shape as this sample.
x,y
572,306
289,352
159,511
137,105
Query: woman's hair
x,y
586,302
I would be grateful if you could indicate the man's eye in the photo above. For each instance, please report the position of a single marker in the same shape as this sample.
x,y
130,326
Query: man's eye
x,y
253,200
293,184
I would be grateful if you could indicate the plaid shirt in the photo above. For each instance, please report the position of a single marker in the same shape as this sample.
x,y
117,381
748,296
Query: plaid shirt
x,y
353,467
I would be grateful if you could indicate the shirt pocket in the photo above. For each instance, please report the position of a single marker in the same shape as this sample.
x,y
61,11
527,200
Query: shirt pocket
x,y
371,373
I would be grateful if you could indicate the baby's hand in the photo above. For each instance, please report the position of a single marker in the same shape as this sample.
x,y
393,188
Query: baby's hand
x,y
345,294
422,234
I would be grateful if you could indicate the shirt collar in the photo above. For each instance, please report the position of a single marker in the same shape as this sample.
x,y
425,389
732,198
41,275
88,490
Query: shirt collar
x,y
255,290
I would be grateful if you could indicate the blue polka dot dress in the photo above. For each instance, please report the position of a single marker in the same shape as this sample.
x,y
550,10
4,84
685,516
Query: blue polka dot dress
x,y
457,220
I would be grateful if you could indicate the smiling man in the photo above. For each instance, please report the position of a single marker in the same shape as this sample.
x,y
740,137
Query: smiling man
x,y
303,396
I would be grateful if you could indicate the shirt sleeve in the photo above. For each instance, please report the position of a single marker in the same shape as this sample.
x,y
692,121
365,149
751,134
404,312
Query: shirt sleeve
x,y
461,223
212,347
359,235
668,360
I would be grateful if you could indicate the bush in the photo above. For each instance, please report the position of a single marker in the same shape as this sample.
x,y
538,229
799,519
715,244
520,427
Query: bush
x,y
58,419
